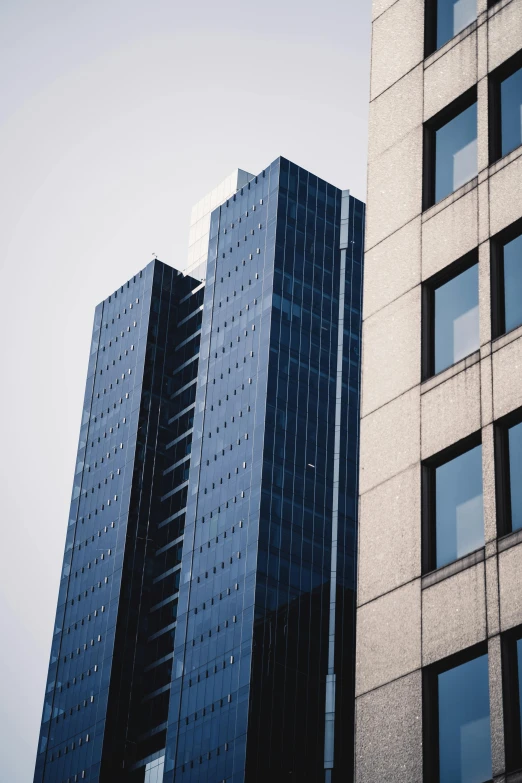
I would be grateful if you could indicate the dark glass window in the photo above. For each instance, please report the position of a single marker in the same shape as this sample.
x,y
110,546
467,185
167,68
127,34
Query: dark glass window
x,y
451,314
506,280
454,522
512,682
458,749
452,17
456,152
508,446
511,112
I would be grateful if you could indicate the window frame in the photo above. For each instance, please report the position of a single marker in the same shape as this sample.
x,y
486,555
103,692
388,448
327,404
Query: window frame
x,y
502,471
430,706
431,126
429,287
498,305
510,692
495,79
430,28
428,495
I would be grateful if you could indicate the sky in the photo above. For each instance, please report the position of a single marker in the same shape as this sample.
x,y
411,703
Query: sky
x,y
116,116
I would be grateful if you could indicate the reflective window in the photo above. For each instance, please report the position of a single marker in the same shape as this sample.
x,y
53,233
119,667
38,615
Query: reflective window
x,y
464,723
511,112
459,521
452,17
512,288
456,313
456,152
519,678
515,475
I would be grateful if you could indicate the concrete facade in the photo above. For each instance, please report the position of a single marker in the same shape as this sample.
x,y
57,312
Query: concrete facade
x,y
408,619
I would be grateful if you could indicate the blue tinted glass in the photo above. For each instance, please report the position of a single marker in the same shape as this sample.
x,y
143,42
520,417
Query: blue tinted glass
x,y
511,111
456,152
464,725
459,510
515,474
513,283
452,17
456,319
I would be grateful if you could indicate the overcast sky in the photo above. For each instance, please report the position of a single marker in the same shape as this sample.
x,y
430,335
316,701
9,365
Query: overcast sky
x,y
115,117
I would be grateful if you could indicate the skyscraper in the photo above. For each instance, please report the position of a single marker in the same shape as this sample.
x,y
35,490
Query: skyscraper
x,y
439,618
231,654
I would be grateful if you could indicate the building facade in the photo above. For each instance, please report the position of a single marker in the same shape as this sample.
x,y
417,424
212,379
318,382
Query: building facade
x,y
205,622
439,617
106,702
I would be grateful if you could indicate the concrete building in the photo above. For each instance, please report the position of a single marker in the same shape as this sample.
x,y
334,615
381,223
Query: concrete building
x,y
439,617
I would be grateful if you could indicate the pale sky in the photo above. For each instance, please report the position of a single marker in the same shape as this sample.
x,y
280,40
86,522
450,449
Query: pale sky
x,y
115,117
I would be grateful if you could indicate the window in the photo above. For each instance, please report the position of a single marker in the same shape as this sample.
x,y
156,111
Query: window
x,y
512,687
457,719
508,454
450,149
453,504
451,316
506,280
505,108
445,19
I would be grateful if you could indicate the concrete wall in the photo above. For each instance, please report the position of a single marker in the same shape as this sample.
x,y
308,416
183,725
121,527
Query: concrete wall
x,y
406,620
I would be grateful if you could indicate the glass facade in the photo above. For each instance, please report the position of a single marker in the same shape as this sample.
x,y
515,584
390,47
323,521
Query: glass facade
x,y
511,111
106,697
251,660
456,152
456,316
515,472
452,17
205,620
464,723
459,507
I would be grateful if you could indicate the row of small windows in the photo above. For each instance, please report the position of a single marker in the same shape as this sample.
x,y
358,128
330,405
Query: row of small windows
x,y
228,476
457,723
208,755
76,708
447,18
83,620
93,417
451,302
214,599
217,629
75,680
70,747
223,506
453,494
209,672
123,312
78,650
450,138
126,353
214,570
100,584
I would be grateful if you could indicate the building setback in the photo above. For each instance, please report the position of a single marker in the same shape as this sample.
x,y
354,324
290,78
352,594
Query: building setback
x,y
439,617
205,622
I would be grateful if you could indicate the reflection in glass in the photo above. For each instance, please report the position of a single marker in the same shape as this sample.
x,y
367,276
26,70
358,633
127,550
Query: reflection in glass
x,y
452,17
513,283
515,475
511,111
456,152
456,319
459,507
464,725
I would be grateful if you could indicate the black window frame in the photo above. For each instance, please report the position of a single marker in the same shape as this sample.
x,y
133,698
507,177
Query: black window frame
x,y
498,309
428,308
428,494
510,693
495,78
430,706
431,126
430,28
502,472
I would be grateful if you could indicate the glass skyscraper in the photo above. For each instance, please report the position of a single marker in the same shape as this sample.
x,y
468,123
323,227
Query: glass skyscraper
x,y
205,624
